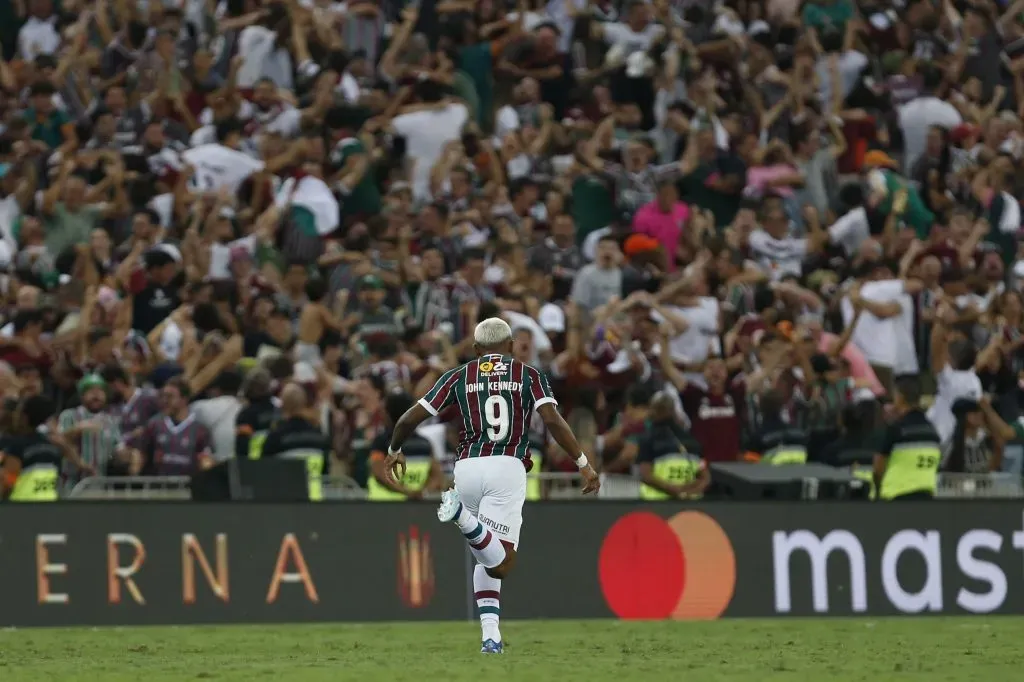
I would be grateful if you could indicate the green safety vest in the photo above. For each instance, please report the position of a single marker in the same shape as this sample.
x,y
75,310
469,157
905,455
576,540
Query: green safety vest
x,y
314,469
256,442
866,474
533,478
417,471
677,469
785,454
913,468
36,484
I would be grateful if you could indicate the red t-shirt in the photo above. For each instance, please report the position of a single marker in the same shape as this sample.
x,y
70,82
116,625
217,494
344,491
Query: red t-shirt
x,y
716,419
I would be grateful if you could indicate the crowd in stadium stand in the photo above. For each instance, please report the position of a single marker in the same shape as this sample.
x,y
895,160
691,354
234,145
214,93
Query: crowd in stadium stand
x,y
718,226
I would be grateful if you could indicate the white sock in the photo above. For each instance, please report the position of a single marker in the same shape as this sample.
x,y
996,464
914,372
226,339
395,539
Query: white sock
x,y
487,592
487,549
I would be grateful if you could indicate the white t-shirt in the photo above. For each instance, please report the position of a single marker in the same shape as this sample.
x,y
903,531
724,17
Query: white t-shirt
x,y
10,211
220,256
886,342
916,116
952,385
850,231
316,197
218,166
37,37
541,342
255,44
694,345
426,133
219,415
851,63
778,257
625,38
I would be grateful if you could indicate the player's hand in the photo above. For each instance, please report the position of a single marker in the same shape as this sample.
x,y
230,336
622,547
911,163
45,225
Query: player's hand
x,y
394,464
591,479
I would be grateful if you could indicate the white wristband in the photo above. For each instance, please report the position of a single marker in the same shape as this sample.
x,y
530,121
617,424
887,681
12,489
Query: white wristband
x,y
393,452
582,461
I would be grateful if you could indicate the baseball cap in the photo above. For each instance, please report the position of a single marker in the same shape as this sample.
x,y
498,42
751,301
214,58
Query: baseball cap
x,y
159,255
551,318
91,381
878,158
639,243
371,282
962,132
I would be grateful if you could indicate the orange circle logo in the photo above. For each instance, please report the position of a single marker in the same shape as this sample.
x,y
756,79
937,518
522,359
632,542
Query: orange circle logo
x,y
683,568
486,367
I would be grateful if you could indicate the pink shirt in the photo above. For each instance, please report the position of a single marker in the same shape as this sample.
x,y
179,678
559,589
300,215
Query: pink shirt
x,y
758,178
860,369
665,227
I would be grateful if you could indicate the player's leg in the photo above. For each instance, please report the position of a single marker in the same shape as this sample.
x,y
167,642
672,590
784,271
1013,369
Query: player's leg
x,y
501,511
460,506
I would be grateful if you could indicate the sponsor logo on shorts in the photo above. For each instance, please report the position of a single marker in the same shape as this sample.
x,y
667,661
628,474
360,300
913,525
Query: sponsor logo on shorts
x,y
415,568
494,525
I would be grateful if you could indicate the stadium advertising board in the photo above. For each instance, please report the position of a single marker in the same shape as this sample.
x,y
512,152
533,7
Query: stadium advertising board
x,y
149,563
766,560
121,563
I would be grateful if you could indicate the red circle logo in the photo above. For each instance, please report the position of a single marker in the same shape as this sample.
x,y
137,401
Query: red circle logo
x,y
683,568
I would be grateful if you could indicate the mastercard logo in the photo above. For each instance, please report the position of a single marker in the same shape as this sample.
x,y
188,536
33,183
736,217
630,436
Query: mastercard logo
x,y
682,568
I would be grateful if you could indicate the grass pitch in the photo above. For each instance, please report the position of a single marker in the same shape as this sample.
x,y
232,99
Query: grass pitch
x,y
890,650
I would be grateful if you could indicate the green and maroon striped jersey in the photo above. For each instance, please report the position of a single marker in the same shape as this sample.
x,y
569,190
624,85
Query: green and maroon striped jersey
x,y
496,395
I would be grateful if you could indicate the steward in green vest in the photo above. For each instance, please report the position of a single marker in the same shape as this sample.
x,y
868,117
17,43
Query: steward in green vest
x,y
422,465
669,458
907,463
295,437
776,441
32,458
255,420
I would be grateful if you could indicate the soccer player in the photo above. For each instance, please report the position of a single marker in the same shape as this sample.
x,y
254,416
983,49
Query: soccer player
x,y
496,396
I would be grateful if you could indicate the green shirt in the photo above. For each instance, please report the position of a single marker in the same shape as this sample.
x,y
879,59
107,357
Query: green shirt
x,y
822,15
364,198
48,131
916,214
476,62
464,88
65,229
593,207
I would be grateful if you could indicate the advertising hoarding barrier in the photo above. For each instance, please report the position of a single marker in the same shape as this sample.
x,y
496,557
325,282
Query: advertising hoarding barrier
x,y
123,563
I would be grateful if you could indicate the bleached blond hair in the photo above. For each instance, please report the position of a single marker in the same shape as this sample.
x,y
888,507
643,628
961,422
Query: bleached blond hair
x,y
492,331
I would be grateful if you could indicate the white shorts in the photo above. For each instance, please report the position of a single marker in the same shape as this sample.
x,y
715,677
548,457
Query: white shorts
x,y
308,352
494,490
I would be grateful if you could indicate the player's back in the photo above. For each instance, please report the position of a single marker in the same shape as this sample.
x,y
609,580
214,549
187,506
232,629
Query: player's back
x,y
495,396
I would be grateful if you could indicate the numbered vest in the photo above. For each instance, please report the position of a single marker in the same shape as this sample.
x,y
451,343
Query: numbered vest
x,y
533,489
314,470
912,469
787,454
676,469
36,484
417,471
